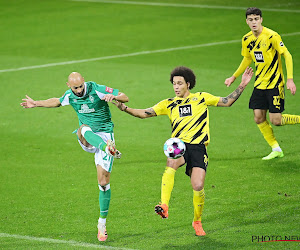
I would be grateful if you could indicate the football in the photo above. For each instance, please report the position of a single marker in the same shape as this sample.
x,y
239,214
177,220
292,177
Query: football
x,y
174,148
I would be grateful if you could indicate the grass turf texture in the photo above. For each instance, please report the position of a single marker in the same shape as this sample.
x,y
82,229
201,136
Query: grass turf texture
x,y
48,184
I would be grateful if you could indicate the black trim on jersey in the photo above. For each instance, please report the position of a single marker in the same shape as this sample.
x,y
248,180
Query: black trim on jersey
x,y
270,46
256,77
246,37
273,76
272,63
199,133
175,126
258,45
187,100
172,106
200,119
201,101
251,45
270,37
179,132
279,81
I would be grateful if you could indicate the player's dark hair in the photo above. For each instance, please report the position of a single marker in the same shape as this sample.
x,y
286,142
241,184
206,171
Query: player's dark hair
x,y
186,73
253,11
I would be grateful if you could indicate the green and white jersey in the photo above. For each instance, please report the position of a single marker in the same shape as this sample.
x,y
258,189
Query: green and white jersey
x,y
90,109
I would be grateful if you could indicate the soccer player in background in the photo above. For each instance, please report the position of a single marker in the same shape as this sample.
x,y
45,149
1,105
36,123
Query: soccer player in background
x,y
95,134
265,47
188,114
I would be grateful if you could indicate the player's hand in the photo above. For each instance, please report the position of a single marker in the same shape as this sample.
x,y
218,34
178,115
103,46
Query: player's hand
x,y
109,98
229,81
291,86
120,105
28,103
246,78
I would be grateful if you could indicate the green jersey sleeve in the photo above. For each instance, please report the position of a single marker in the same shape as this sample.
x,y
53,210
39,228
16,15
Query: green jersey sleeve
x,y
102,90
64,100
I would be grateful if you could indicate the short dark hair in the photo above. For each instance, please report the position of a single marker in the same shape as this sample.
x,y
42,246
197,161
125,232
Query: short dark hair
x,y
253,11
186,73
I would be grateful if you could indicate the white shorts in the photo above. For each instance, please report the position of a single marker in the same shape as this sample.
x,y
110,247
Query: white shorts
x,y
101,158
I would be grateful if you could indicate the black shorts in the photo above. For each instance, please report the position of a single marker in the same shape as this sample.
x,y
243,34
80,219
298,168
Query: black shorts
x,y
195,157
268,99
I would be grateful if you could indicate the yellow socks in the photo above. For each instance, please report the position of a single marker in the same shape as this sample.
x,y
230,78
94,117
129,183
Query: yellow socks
x,y
167,185
198,201
290,119
268,134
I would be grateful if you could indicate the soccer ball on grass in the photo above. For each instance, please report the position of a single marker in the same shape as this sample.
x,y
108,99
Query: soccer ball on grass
x,y
174,148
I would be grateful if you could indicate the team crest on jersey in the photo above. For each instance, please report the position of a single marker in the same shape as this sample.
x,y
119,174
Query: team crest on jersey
x,y
85,109
91,98
74,100
259,56
185,110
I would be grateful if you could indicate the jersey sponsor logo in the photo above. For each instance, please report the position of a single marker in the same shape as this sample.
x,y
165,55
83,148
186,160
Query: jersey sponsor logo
x,y
259,56
91,98
85,109
109,90
185,110
281,44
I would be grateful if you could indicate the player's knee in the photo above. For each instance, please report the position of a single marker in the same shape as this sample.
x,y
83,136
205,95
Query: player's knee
x,y
198,186
173,163
259,120
103,182
275,121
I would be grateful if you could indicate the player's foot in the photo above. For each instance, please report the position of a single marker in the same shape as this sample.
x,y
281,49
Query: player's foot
x,y
273,154
198,228
162,210
111,149
102,233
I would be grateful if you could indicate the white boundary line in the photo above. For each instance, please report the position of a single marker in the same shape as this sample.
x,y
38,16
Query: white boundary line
x,y
54,241
129,55
201,6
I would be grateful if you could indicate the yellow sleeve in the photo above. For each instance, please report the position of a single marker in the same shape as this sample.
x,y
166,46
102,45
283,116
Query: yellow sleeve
x,y
244,64
210,99
288,63
161,108
278,43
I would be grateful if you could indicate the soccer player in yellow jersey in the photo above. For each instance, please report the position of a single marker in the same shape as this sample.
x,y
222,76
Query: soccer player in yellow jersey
x,y
188,114
264,47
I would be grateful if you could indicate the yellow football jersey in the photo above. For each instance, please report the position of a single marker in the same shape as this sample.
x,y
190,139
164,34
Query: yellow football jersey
x,y
265,51
189,116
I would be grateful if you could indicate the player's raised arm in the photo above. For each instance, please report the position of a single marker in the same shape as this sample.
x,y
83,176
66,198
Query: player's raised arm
x,y
30,103
140,113
121,97
244,64
230,99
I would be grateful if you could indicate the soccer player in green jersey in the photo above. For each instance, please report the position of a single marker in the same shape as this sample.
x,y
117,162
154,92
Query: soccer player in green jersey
x,y
264,47
189,118
95,134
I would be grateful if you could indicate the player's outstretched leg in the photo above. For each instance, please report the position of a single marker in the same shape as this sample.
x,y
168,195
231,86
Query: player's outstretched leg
x,y
267,131
162,210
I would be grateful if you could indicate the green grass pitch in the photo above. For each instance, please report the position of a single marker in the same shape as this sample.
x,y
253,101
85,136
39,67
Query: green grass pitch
x,y
48,185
